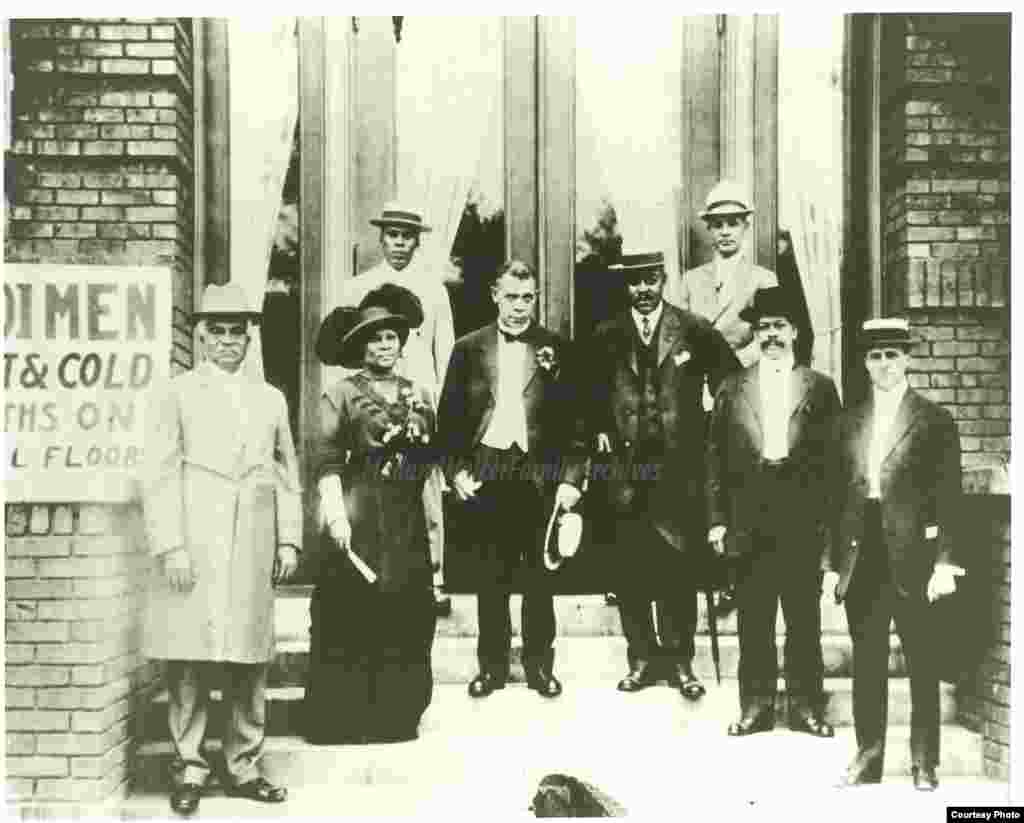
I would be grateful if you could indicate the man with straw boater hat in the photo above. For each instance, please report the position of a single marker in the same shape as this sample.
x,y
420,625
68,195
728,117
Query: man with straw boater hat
x,y
768,506
897,492
222,503
426,354
648,366
722,288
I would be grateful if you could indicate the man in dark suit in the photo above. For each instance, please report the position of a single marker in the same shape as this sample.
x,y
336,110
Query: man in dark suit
x,y
507,425
897,489
648,365
766,488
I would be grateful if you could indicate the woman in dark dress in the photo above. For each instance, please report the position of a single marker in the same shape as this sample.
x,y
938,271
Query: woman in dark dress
x,y
372,608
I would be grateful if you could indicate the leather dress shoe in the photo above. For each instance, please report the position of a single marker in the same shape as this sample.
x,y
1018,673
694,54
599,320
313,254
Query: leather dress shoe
x,y
752,724
925,779
810,723
682,677
260,789
865,770
485,683
542,681
185,798
640,677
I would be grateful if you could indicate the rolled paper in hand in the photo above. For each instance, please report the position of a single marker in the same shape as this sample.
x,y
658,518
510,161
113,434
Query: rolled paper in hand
x,y
369,574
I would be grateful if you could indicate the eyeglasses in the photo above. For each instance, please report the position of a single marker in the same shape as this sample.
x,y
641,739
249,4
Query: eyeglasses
x,y
768,325
651,279
877,355
226,330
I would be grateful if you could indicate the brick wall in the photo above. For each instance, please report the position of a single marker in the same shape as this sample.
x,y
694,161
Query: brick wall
x,y
946,184
99,172
946,203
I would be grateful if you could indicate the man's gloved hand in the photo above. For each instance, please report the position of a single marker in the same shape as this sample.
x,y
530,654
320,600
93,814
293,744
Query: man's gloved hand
x,y
286,563
716,537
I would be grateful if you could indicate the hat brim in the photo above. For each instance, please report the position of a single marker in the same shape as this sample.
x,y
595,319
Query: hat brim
x,y
881,342
406,224
253,316
352,348
752,315
726,212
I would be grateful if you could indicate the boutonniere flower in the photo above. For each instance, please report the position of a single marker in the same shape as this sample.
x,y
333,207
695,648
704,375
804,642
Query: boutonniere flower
x,y
546,359
682,357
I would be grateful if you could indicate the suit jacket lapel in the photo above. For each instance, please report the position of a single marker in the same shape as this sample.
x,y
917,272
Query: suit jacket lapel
x,y
530,357
799,394
627,337
489,359
905,416
751,392
667,334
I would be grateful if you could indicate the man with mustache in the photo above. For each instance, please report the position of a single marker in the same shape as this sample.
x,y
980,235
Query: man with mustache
x,y
223,513
426,353
722,288
767,507
648,367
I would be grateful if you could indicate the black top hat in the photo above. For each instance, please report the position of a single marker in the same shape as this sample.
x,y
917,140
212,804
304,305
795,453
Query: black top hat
x,y
884,332
343,334
771,302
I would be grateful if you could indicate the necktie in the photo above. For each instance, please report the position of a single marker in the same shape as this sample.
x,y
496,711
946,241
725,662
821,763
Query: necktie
x,y
508,337
646,330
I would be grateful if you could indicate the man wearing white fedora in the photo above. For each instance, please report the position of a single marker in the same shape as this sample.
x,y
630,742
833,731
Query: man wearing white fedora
x,y
426,354
723,287
222,504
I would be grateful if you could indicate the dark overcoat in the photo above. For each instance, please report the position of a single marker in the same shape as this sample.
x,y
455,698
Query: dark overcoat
x,y
670,497
739,495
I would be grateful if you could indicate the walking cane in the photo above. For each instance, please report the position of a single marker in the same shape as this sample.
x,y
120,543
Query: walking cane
x,y
713,632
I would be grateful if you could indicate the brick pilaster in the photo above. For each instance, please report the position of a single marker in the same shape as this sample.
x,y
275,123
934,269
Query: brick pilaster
x,y
101,173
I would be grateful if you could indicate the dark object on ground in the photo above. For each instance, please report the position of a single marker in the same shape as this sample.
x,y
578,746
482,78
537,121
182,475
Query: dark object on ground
x,y
559,795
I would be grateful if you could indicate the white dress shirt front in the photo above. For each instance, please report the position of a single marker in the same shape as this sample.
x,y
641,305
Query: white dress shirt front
x,y
775,379
508,424
886,407
652,322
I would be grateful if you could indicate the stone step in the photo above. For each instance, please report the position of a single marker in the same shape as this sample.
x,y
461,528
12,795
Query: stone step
x,y
284,704
586,615
581,659
583,733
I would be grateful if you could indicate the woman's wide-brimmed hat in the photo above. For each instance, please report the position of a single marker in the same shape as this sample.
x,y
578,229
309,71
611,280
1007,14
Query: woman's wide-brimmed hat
x,y
397,214
228,300
345,331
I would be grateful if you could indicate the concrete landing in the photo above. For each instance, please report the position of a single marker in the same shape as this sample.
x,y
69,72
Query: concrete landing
x,y
483,759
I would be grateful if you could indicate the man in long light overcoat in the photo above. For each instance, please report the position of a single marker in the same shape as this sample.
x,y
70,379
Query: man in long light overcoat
x,y
221,497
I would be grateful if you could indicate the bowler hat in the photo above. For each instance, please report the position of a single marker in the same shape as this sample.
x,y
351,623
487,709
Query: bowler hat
x,y
770,302
395,214
639,262
226,300
884,332
342,338
727,197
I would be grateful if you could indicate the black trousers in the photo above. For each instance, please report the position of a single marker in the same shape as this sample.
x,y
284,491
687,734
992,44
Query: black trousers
x,y
666,582
872,604
507,521
779,572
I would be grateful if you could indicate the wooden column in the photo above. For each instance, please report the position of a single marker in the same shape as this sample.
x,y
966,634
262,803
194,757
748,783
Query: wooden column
x,y
765,152
699,161
520,134
373,108
557,147
216,180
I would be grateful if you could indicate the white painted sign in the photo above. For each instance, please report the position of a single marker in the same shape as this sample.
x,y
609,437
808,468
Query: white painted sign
x,y
82,346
